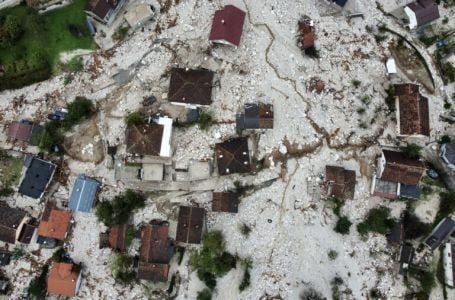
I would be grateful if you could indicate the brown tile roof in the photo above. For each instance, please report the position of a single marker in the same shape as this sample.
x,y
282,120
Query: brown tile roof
x,y
341,182
62,280
225,202
117,237
228,25
190,224
144,139
10,220
55,223
233,156
413,112
401,169
21,131
265,115
153,271
156,246
191,86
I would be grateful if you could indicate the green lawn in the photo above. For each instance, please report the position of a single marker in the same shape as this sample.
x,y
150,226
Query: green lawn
x,y
43,38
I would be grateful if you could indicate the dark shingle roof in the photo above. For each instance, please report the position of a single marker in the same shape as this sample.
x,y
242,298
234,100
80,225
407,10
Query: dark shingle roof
x,y
191,86
83,194
341,182
406,257
401,169
232,156
190,224
144,139
440,233
5,257
37,176
225,202
425,11
228,25
154,272
255,116
27,233
10,219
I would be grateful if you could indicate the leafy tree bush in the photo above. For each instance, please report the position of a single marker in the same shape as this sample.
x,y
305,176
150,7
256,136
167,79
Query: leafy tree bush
x,y
247,264
411,151
332,254
212,260
205,294
343,225
76,64
311,294
51,135
10,30
414,227
81,108
134,118
121,266
205,120
377,220
120,208
38,287
446,205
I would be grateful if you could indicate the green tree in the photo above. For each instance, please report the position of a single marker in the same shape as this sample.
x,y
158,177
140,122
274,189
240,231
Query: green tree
x,y
377,220
205,294
81,108
12,27
411,151
343,225
118,211
37,286
134,118
104,212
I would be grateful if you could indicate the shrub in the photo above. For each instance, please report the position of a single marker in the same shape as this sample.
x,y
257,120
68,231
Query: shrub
x,y
81,108
245,229
120,34
427,282
205,294
361,110
356,83
205,120
134,118
390,99
414,227
75,64
446,205
119,210
343,225
247,264
332,254
50,136
120,266
5,191
447,105
311,294
377,220
212,260
411,151
38,287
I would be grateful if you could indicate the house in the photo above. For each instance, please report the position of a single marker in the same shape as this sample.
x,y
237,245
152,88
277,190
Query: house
x,y
449,264
306,33
227,26
412,112
118,237
440,233
341,3
152,139
83,194
447,154
421,12
37,177
232,156
225,202
192,88
23,131
191,222
12,221
27,234
340,182
255,116
138,15
104,11
5,258
64,279
55,224
406,258
156,252
397,175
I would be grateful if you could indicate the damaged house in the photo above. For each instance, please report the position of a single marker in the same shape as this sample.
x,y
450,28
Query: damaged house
x,y
340,182
232,156
255,116
227,26
191,223
397,176
12,221
191,88
412,111
156,252
421,12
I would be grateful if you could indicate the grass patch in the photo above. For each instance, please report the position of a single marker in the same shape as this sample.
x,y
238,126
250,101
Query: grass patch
x,y
118,210
74,65
212,260
377,220
35,52
120,34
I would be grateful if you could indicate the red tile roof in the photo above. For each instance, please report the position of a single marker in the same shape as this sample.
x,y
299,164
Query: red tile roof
x,y
228,25
155,243
413,112
401,169
55,225
62,280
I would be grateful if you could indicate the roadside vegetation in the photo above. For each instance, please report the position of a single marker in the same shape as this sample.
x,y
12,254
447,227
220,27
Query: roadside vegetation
x,y
30,43
118,210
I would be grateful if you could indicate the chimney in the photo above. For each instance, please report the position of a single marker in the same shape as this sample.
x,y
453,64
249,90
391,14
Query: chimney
x,y
223,22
